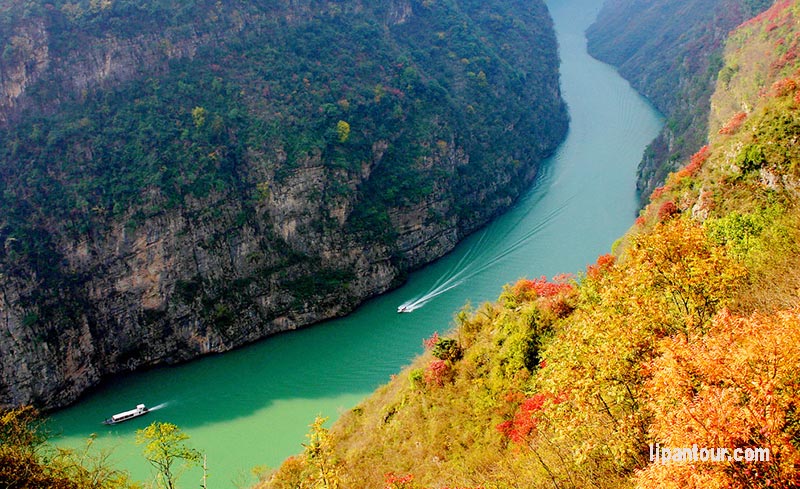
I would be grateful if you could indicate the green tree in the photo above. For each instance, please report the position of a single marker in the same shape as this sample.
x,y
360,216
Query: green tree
x,y
163,447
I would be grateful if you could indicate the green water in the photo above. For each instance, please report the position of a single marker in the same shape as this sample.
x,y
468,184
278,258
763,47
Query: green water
x,y
253,406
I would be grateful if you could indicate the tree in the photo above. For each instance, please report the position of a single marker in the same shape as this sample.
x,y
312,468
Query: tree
x,y
736,387
199,116
343,130
163,446
28,460
319,456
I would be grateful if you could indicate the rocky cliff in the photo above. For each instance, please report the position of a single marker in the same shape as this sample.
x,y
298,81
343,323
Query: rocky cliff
x,y
184,179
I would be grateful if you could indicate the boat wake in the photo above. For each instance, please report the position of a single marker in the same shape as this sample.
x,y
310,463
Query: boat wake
x,y
159,406
474,262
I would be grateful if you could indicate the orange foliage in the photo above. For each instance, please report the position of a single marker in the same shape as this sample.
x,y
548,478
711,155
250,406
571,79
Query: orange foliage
x,y
735,387
695,163
659,192
734,123
683,277
604,264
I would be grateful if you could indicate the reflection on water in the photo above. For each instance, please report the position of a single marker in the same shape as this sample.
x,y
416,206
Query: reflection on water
x,y
253,406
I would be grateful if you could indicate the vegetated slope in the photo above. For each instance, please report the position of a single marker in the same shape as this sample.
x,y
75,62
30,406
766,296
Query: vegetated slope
x,y
181,178
686,336
670,52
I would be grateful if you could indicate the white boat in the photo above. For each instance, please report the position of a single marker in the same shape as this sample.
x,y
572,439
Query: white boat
x,y
125,416
403,309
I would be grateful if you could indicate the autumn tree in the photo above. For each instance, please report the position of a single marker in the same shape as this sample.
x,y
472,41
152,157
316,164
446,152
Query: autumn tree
x,y
199,115
319,456
163,447
27,460
343,131
734,387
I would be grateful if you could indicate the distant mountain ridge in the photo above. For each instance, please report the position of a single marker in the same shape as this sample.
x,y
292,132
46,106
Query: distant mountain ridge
x,y
181,178
670,51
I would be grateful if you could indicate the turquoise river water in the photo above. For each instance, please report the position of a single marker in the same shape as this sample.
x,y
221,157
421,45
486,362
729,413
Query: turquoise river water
x,y
253,406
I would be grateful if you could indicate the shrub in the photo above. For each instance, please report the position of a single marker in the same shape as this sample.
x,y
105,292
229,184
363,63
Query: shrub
x,y
667,210
447,349
734,123
438,373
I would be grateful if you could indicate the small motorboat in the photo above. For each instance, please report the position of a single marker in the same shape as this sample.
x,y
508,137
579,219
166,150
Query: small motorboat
x,y
403,308
140,410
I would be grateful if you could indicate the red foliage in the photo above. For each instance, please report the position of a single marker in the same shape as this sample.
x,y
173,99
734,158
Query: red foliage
x,y
437,373
550,296
476,487
770,15
529,289
431,342
394,91
394,481
784,87
640,221
734,123
523,425
695,163
788,57
667,210
604,264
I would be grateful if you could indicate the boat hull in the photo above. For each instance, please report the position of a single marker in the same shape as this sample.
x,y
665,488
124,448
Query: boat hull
x,y
127,415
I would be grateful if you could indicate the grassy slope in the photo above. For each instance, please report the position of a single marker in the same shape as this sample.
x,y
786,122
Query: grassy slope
x,y
687,335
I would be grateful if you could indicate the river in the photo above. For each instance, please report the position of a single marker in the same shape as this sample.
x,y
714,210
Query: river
x,y
253,406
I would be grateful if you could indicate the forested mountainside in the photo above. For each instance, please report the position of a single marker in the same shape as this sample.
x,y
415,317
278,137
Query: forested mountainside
x,y
184,177
684,337
670,51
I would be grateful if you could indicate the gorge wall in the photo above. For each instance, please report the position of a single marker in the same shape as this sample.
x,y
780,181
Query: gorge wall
x,y
671,52
184,178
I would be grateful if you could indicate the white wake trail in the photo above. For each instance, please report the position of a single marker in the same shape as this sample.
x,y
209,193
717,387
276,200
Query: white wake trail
x,y
466,271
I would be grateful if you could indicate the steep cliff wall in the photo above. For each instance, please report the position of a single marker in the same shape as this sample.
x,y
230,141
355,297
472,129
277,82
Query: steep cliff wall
x,y
178,181
670,51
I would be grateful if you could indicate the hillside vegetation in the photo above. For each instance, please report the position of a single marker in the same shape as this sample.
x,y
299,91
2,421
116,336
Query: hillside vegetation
x,y
686,335
180,178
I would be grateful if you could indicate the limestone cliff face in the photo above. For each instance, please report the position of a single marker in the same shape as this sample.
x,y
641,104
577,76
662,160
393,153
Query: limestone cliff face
x,y
282,238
